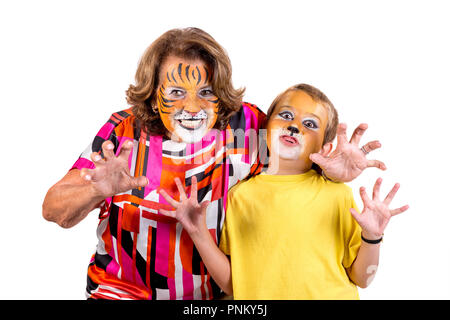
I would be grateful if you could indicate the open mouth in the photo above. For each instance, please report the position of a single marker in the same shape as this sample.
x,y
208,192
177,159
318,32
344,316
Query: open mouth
x,y
191,124
289,140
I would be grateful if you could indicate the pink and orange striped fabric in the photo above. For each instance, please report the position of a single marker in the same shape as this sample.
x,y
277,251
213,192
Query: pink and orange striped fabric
x,y
142,254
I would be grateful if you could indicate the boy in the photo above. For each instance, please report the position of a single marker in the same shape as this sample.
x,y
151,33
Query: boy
x,y
289,232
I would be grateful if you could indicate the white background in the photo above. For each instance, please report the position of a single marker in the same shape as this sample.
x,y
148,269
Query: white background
x,y
65,66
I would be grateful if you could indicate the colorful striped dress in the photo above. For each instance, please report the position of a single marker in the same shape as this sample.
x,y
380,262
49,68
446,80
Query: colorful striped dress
x,y
145,255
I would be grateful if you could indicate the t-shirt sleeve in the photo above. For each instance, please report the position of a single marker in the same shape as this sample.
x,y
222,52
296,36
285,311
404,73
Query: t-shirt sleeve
x,y
224,243
225,236
352,232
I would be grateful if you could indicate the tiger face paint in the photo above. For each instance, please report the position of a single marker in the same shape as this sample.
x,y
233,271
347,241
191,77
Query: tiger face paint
x,y
186,102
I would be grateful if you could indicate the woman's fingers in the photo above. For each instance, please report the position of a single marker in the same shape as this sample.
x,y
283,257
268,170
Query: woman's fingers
x,y
357,134
125,150
341,134
97,159
87,174
139,182
376,164
108,150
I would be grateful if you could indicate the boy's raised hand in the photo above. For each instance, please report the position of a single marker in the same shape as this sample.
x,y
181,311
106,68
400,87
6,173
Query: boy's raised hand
x,y
348,160
190,213
376,213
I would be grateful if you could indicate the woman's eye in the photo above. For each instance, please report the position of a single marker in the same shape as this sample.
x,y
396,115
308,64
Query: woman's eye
x,y
310,124
286,115
206,93
176,92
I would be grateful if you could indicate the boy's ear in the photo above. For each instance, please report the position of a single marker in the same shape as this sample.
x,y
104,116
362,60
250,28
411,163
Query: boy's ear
x,y
326,149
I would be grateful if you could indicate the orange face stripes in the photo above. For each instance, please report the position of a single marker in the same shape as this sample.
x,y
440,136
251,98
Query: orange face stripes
x,y
186,101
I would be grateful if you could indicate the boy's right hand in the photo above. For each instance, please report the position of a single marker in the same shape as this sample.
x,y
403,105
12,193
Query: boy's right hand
x,y
190,213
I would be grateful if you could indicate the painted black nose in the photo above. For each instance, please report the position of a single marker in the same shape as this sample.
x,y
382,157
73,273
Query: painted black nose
x,y
293,130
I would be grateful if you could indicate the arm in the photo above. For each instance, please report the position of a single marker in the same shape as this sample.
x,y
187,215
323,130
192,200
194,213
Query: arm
x,y
80,191
373,221
348,160
70,200
192,217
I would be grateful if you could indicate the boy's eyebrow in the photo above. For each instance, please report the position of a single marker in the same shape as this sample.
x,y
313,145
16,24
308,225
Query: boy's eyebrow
x,y
307,113
314,116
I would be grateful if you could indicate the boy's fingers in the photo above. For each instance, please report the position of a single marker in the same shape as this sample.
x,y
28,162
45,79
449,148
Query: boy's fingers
x,y
356,215
180,189
357,134
169,199
391,194
376,189
364,197
399,210
167,213
376,164
194,188
204,205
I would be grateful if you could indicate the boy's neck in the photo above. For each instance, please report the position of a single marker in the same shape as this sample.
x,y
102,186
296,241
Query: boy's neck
x,y
287,167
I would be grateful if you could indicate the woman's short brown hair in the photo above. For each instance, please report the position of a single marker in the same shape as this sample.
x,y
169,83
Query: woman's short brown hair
x,y
320,97
192,44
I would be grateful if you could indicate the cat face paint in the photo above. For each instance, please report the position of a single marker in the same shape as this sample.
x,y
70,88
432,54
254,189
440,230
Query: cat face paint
x,y
186,103
296,129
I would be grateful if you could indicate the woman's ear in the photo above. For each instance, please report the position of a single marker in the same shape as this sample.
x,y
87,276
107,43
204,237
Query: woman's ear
x,y
326,149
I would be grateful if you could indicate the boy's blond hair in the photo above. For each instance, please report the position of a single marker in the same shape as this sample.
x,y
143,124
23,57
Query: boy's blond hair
x,y
319,97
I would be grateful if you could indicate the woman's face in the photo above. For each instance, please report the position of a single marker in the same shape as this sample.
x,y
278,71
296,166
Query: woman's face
x,y
186,102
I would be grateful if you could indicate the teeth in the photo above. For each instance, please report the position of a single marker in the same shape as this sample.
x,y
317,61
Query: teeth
x,y
191,124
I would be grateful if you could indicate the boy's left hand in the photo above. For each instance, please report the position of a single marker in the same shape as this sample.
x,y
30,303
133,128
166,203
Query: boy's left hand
x,y
376,213
348,160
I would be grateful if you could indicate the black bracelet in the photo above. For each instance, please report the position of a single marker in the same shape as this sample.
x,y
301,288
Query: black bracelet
x,y
371,241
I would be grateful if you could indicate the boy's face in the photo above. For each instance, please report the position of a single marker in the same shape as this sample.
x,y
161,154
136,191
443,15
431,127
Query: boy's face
x,y
296,129
186,103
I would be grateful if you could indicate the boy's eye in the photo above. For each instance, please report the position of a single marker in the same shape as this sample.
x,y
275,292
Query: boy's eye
x,y
286,115
310,124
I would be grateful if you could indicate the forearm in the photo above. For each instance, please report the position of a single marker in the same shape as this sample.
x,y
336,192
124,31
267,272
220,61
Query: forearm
x,y
70,200
364,267
214,259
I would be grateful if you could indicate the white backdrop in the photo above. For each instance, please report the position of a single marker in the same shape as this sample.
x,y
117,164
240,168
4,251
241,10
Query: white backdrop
x,y
65,66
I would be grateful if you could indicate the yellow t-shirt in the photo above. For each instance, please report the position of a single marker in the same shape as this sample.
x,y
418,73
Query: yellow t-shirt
x,y
291,237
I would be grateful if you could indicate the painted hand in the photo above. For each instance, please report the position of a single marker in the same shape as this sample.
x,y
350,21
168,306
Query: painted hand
x,y
376,213
348,161
111,175
190,213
